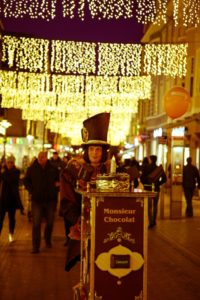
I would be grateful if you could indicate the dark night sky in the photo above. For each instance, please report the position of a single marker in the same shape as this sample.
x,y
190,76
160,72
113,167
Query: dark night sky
x,y
89,30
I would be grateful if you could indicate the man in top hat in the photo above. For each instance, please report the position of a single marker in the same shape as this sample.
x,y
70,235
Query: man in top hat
x,y
94,135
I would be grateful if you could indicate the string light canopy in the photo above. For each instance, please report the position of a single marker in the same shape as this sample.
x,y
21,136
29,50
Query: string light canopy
x,y
80,58
70,93
184,12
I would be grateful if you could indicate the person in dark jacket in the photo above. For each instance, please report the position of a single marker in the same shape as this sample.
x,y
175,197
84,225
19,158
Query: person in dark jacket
x,y
10,198
152,184
191,179
82,170
42,180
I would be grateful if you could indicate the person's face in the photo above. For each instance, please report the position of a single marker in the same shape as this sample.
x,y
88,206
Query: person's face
x,y
42,158
10,164
95,154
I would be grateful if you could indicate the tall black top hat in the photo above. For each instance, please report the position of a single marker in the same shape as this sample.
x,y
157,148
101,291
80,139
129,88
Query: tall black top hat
x,y
95,130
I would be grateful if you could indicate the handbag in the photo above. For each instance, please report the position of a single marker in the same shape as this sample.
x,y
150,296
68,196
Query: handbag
x,y
156,174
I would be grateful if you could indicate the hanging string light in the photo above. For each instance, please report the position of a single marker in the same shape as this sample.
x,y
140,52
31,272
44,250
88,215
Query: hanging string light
x,y
119,59
83,58
191,13
167,59
25,53
33,9
73,57
184,12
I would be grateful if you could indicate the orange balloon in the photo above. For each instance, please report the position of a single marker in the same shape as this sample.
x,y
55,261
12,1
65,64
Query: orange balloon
x,y
176,102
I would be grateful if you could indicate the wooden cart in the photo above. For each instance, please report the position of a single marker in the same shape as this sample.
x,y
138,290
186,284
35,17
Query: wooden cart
x,y
113,245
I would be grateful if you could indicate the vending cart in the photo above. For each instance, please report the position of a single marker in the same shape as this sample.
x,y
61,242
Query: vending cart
x,y
113,245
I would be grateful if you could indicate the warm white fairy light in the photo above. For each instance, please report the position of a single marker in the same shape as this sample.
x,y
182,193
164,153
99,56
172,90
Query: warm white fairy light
x,y
138,87
8,80
68,8
184,12
10,45
113,9
166,59
33,9
26,53
73,57
62,84
191,13
176,4
78,58
119,59
146,11
161,13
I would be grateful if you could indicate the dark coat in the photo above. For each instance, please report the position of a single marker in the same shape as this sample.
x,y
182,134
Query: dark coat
x,y
147,182
41,182
191,177
70,200
10,197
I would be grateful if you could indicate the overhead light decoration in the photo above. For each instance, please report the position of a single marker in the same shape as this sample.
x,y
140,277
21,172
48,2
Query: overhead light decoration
x,y
33,9
72,93
165,59
25,53
104,59
119,59
73,57
184,12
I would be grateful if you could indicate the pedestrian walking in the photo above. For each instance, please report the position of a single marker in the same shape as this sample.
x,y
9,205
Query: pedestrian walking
x,y
191,180
9,194
41,181
152,178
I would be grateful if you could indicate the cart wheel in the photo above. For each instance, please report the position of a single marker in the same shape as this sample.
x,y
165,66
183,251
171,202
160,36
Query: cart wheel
x,y
77,295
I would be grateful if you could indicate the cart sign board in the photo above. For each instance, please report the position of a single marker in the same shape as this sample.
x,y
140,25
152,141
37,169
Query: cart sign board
x,y
120,248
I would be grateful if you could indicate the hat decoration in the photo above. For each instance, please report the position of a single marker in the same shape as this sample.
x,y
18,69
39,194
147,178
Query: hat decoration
x,y
95,130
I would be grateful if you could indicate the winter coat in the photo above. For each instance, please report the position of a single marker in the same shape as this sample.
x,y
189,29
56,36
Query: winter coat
x,y
10,197
41,182
147,181
70,200
191,177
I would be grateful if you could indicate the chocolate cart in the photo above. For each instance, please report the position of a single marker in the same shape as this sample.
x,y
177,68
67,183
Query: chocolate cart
x,y
114,245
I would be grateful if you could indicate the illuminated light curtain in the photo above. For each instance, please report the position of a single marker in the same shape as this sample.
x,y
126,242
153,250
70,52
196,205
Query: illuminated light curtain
x,y
33,81
71,103
70,91
168,60
103,9
62,84
82,59
8,80
119,59
99,91
36,115
146,11
191,13
34,9
10,45
71,6
118,130
139,86
185,12
73,57
124,103
25,53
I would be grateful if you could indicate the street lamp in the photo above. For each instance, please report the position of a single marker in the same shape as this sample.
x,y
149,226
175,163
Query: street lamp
x,y
4,125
